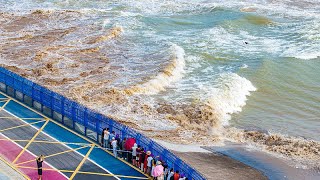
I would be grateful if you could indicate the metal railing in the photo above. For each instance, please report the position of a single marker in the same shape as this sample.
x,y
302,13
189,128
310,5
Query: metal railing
x,y
83,119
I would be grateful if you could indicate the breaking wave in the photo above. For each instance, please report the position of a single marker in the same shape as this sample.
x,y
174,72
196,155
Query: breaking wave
x,y
171,73
231,96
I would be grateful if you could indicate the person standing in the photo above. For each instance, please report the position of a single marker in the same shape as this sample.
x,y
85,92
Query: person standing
x,y
124,153
40,160
170,174
114,147
149,163
176,175
102,137
111,136
141,159
106,137
134,154
138,156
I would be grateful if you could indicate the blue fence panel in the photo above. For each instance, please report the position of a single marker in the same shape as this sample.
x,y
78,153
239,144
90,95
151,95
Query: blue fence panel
x,y
67,108
47,97
118,128
132,133
2,76
144,142
92,119
9,78
185,169
196,175
57,103
18,82
36,92
104,122
79,113
27,87
170,158
157,150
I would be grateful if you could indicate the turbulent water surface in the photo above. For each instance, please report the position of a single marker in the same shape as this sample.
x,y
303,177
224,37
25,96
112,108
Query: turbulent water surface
x,y
184,71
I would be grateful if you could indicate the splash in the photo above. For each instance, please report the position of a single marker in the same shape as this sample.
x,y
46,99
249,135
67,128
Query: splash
x,y
230,97
301,151
171,73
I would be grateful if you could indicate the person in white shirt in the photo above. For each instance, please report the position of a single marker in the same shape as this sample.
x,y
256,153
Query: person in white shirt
x,y
114,147
134,154
149,163
170,174
106,137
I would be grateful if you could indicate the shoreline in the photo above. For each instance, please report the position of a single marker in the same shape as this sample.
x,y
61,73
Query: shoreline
x,y
216,166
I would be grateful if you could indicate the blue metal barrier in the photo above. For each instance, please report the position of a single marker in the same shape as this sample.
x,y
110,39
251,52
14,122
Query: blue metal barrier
x,y
88,118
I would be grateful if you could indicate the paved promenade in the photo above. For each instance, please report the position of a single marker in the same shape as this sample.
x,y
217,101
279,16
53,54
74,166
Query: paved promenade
x,y
25,134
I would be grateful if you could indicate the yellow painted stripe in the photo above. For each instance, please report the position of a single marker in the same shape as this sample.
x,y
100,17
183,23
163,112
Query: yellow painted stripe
x,y
19,126
31,140
80,135
45,169
5,104
14,168
81,163
103,174
83,172
45,142
55,154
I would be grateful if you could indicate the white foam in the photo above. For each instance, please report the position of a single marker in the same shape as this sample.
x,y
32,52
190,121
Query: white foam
x,y
230,97
244,66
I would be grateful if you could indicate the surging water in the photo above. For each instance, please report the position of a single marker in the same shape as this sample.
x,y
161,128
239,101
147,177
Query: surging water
x,y
185,67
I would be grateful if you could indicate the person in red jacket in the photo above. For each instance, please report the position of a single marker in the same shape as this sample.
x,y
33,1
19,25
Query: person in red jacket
x,y
176,175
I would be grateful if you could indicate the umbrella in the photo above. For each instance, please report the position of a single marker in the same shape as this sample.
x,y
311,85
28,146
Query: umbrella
x,y
158,170
129,144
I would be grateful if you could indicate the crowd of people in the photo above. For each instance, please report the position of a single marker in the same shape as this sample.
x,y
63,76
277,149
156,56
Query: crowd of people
x,y
129,150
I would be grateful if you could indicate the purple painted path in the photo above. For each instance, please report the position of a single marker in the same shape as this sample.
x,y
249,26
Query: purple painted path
x,y
10,150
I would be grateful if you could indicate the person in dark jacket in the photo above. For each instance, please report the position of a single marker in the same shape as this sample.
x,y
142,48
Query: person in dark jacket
x,y
102,135
141,159
40,160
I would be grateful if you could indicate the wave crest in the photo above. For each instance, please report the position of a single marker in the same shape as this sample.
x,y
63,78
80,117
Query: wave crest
x,y
230,97
171,73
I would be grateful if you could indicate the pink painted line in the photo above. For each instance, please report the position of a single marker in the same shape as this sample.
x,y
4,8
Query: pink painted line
x,y
10,150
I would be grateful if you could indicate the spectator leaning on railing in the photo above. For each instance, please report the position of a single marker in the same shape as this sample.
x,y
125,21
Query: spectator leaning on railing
x,y
171,173
114,147
149,163
106,136
141,159
138,156
134,154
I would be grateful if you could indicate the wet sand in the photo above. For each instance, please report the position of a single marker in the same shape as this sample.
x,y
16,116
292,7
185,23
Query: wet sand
x,y
217,166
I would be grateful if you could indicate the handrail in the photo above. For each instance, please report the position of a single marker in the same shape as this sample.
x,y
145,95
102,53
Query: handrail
x,y
75,115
